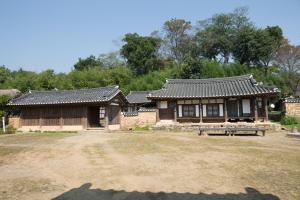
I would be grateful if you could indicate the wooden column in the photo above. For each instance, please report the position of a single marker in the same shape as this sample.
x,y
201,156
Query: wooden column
x,y
40,117
175,113
238,106
106,116
157,114
61,120
84,121
200,111
225,110
255,110
266,109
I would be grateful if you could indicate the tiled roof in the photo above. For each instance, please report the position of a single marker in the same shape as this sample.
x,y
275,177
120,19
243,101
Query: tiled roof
x,y
102,94
138,97
214,87
292,100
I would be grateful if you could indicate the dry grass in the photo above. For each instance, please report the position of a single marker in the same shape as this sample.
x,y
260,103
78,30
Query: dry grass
x,y
149,161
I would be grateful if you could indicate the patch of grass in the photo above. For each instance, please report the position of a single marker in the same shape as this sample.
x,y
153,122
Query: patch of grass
x,y
33,138
141,128
8,151
95,150
143,144
290,127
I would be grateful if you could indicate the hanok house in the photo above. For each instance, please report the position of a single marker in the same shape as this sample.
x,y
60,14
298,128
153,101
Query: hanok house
x,y
292,106
70,109
239,98
138,100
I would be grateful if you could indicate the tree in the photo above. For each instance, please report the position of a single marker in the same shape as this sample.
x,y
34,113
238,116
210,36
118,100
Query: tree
x,y
87,63
141,53
254,46
287,58
177,40
111,59
191,68
215,37
46,80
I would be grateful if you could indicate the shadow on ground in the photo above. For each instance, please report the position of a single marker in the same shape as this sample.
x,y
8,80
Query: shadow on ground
x,y
85,192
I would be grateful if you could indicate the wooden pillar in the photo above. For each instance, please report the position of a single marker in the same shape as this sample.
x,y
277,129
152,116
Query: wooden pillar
x,y
61,122
157,115
266,109
238,106
255,110
175,113
84,121
225,110
40,117
200,112
106,116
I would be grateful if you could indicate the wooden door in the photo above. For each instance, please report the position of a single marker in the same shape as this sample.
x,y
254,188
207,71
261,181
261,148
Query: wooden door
x,y
166,114
232,108
113,115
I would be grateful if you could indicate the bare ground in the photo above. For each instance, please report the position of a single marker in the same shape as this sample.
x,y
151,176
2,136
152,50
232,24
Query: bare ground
x,y
148,165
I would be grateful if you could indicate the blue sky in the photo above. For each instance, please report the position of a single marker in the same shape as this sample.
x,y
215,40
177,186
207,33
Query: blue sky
x,y
37,35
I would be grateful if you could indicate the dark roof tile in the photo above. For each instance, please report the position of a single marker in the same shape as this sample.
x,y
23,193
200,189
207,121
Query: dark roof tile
x,y
138,97
102,94
213,87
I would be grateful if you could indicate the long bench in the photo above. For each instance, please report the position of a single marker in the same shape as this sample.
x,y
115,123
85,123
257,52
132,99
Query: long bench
x,y
233,130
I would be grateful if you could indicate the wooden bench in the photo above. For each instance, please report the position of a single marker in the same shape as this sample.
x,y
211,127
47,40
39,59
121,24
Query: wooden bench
x,y
233,130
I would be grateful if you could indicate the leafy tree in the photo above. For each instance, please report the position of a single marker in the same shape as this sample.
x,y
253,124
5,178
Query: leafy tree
x,y
178,41
216,35
3,108
46,80
4,75
111,59
191,68
141,53
287,58
87,63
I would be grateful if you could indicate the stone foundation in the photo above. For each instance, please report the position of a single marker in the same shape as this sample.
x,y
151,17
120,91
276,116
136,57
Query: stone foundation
x,y
195,126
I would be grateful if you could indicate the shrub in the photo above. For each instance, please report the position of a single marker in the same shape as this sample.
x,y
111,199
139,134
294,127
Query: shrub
x,y
9,129
288,120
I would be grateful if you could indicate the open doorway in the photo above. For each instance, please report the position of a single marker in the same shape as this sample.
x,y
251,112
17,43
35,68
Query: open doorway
x,y
93,117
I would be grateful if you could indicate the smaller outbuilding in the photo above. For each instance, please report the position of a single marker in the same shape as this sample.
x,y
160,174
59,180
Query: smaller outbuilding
x,y
70,109
292,106
138,100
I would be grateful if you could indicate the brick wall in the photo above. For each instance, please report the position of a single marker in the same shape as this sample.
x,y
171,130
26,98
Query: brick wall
x,y
142,119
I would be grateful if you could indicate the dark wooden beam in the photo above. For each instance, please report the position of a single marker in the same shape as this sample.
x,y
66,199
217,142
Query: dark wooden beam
x,y
200,111
225,110
266,109
255,110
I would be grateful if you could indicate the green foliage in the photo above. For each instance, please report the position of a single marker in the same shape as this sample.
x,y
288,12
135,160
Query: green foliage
x,y
287,120
3,101
87,63
8,130
141,53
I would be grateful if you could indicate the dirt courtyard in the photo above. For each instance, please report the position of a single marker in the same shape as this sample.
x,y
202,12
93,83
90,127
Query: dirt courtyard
x,y
148,165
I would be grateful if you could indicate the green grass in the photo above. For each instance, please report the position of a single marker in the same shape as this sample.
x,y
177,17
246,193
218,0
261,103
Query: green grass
x,y
289,127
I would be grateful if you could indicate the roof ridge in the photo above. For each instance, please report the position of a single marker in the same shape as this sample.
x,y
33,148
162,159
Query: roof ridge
x,y
80,89
248,76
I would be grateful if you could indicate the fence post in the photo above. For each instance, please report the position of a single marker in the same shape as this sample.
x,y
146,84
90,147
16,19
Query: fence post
x,y
3,123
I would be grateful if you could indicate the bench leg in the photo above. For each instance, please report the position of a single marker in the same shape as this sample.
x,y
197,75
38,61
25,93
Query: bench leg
x,y
264,132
